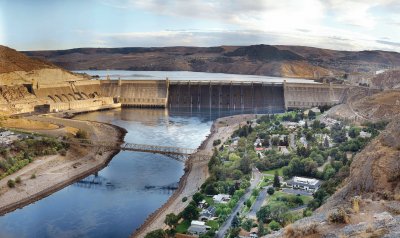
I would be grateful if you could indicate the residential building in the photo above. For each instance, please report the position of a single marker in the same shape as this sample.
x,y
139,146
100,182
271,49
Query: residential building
x,y
308,184
221,198
207,214
198,228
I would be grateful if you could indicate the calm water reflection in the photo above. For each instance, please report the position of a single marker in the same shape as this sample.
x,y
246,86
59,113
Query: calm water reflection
x,y
116,202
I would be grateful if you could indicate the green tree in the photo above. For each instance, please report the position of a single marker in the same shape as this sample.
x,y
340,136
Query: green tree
x,y
234,232
235,222
270,191
275,141
273,225
245,165
247,224
311,115
326,142
263,214
190,213
198,197
171,220
354,132
277,183
160,233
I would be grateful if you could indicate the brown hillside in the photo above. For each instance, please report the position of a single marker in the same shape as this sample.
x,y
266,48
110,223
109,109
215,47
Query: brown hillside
x,y
12,60
387,80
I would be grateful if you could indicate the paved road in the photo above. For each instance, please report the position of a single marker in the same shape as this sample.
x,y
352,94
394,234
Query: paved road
x,y
258,203
292,140
257,176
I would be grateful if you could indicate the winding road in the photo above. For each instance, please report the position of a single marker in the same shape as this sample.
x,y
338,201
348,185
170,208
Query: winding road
x,y
257,176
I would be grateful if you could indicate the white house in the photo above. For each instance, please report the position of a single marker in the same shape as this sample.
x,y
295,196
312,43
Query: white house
x,y
364,134
221,198
308,184
198,228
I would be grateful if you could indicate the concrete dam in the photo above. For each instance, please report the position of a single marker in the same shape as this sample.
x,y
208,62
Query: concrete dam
x,y
179,94
234,95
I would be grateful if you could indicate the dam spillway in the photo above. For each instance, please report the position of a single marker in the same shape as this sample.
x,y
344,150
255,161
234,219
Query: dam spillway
x,y
225,95
233,95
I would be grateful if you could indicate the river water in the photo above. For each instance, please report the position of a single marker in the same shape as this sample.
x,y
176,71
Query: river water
x,y
116,202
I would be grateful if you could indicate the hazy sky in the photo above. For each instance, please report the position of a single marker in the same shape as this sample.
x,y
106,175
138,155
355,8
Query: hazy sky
x,y
333,24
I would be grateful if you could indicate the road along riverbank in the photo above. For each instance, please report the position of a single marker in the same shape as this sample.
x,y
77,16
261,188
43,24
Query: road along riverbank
x,y
196,172
52,173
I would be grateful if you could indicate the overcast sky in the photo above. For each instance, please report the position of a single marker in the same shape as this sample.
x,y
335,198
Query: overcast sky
x,y
333,24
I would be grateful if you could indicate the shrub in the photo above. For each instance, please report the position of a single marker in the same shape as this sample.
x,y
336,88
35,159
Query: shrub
x,y
273,225
216,142
271,191
11,183
81,134
338,216
303,230
184,199
33,176
18,180
63,152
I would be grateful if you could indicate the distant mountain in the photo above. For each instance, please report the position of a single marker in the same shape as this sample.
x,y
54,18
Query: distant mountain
x,y
286,61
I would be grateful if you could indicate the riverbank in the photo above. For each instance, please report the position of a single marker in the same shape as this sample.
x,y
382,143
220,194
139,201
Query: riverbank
x,y
196,172
52,173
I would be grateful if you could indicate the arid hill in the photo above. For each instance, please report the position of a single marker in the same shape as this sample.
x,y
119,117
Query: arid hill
x,y
11,60
17,68
387,80
288,61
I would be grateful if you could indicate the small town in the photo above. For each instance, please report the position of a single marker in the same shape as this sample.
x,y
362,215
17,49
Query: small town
x,y
272,171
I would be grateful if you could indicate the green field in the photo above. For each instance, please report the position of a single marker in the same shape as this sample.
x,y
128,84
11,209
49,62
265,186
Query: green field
x,y
273,199
182,227
272,172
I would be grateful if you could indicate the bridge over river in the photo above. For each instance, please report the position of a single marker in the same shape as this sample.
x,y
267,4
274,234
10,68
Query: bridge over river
x,y
177,153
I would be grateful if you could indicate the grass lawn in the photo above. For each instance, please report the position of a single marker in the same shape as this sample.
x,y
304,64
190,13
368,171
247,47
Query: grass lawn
x,y
213,224
272,200
182,227
209,200
272,172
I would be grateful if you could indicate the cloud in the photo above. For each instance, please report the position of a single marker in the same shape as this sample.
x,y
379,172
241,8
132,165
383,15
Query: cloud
x,y
390,43
237,37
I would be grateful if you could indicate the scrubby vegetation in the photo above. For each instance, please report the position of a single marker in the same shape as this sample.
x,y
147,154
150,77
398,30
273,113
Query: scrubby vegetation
x,y
22,152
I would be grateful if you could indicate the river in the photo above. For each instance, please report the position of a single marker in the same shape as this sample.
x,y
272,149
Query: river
x,y
116,201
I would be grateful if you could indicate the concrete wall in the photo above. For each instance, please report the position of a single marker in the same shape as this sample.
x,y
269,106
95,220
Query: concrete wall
x,y
137,93
225,95
79,104
300,95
